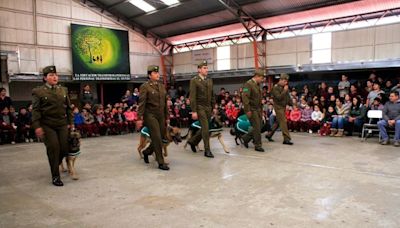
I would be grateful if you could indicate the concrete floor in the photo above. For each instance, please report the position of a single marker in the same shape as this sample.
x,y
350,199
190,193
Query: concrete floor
x,y
319,182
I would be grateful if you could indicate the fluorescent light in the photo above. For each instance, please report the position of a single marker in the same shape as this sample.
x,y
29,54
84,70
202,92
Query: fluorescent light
x,y
141,4
170,2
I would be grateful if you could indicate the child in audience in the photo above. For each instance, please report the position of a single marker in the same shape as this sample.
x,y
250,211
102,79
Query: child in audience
x,y
294,119
376,105
327,122
88,125
305,120
99,119
316,116
130,118
79,121
120,121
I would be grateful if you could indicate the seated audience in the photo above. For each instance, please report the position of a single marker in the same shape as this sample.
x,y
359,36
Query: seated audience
x,y
391,119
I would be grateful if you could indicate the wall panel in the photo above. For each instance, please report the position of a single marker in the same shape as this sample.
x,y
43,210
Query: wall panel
x,y
387,51
353,38
282,59
388,34
24,5
63,60
55,8
353,54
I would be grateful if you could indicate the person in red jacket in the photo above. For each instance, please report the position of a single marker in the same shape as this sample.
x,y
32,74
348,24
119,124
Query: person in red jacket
x,y
294,121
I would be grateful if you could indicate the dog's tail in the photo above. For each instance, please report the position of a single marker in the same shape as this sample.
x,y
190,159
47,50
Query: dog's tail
x,y
187,134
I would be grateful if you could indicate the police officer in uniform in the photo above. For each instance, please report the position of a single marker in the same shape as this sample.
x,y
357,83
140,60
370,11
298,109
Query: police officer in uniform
x,y
280,94
51,118
153,111
251,97
201,102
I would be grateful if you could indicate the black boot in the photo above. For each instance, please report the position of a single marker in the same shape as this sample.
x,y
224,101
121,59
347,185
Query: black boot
x,y
269,138
57,181
208,154
163,167
287,142
259,149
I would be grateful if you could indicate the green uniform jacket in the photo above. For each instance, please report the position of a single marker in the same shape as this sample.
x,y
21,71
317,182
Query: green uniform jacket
x,y
281,97
201,93
251,96
51,107
152,99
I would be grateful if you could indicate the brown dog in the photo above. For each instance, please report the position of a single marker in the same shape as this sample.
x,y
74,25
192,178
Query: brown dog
x,y
173,135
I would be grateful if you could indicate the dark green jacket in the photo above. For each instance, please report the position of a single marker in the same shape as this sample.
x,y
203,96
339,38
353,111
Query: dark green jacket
x,y
201,93
359,113
281,97
252,96
152,99
51,107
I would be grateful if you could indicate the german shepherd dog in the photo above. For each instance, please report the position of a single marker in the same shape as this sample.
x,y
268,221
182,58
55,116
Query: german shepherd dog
x,y
238,133
215,131
173,135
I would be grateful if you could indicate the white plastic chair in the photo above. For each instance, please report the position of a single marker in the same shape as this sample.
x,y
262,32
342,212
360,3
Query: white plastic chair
x,y
370,127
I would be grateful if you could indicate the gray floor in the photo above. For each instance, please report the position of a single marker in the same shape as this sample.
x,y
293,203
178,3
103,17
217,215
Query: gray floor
x,y
319,182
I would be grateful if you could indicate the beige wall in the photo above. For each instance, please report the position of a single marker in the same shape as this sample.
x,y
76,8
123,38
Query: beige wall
x,y
366,44
49,42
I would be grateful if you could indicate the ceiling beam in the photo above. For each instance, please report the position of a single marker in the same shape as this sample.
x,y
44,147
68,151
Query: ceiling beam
x,y
163,46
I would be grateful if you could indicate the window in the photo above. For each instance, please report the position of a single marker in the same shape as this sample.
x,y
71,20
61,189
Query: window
x,y
224,58
141,4
321,47
170,2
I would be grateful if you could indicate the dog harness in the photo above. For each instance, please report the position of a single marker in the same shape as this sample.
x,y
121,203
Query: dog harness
x,y
243,124
145,132
213,127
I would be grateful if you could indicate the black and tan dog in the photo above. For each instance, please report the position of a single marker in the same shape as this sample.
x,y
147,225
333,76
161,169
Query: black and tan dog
x,y
74,143
243,125
215,130
173,135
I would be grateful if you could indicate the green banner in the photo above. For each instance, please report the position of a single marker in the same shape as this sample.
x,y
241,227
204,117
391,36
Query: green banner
x,y
99,53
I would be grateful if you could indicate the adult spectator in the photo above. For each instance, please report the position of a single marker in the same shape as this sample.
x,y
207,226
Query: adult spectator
x,y
338,120
344,86
323,90
87,96
391,119
353,91
127,98
173,93
5,101
135,95
388,87
181,92
376,92
356,117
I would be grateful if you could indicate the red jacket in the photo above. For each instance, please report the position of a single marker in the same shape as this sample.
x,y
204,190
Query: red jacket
x,y
295,115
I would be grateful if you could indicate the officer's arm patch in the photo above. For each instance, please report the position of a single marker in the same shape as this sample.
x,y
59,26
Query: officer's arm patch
x,y
246,90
